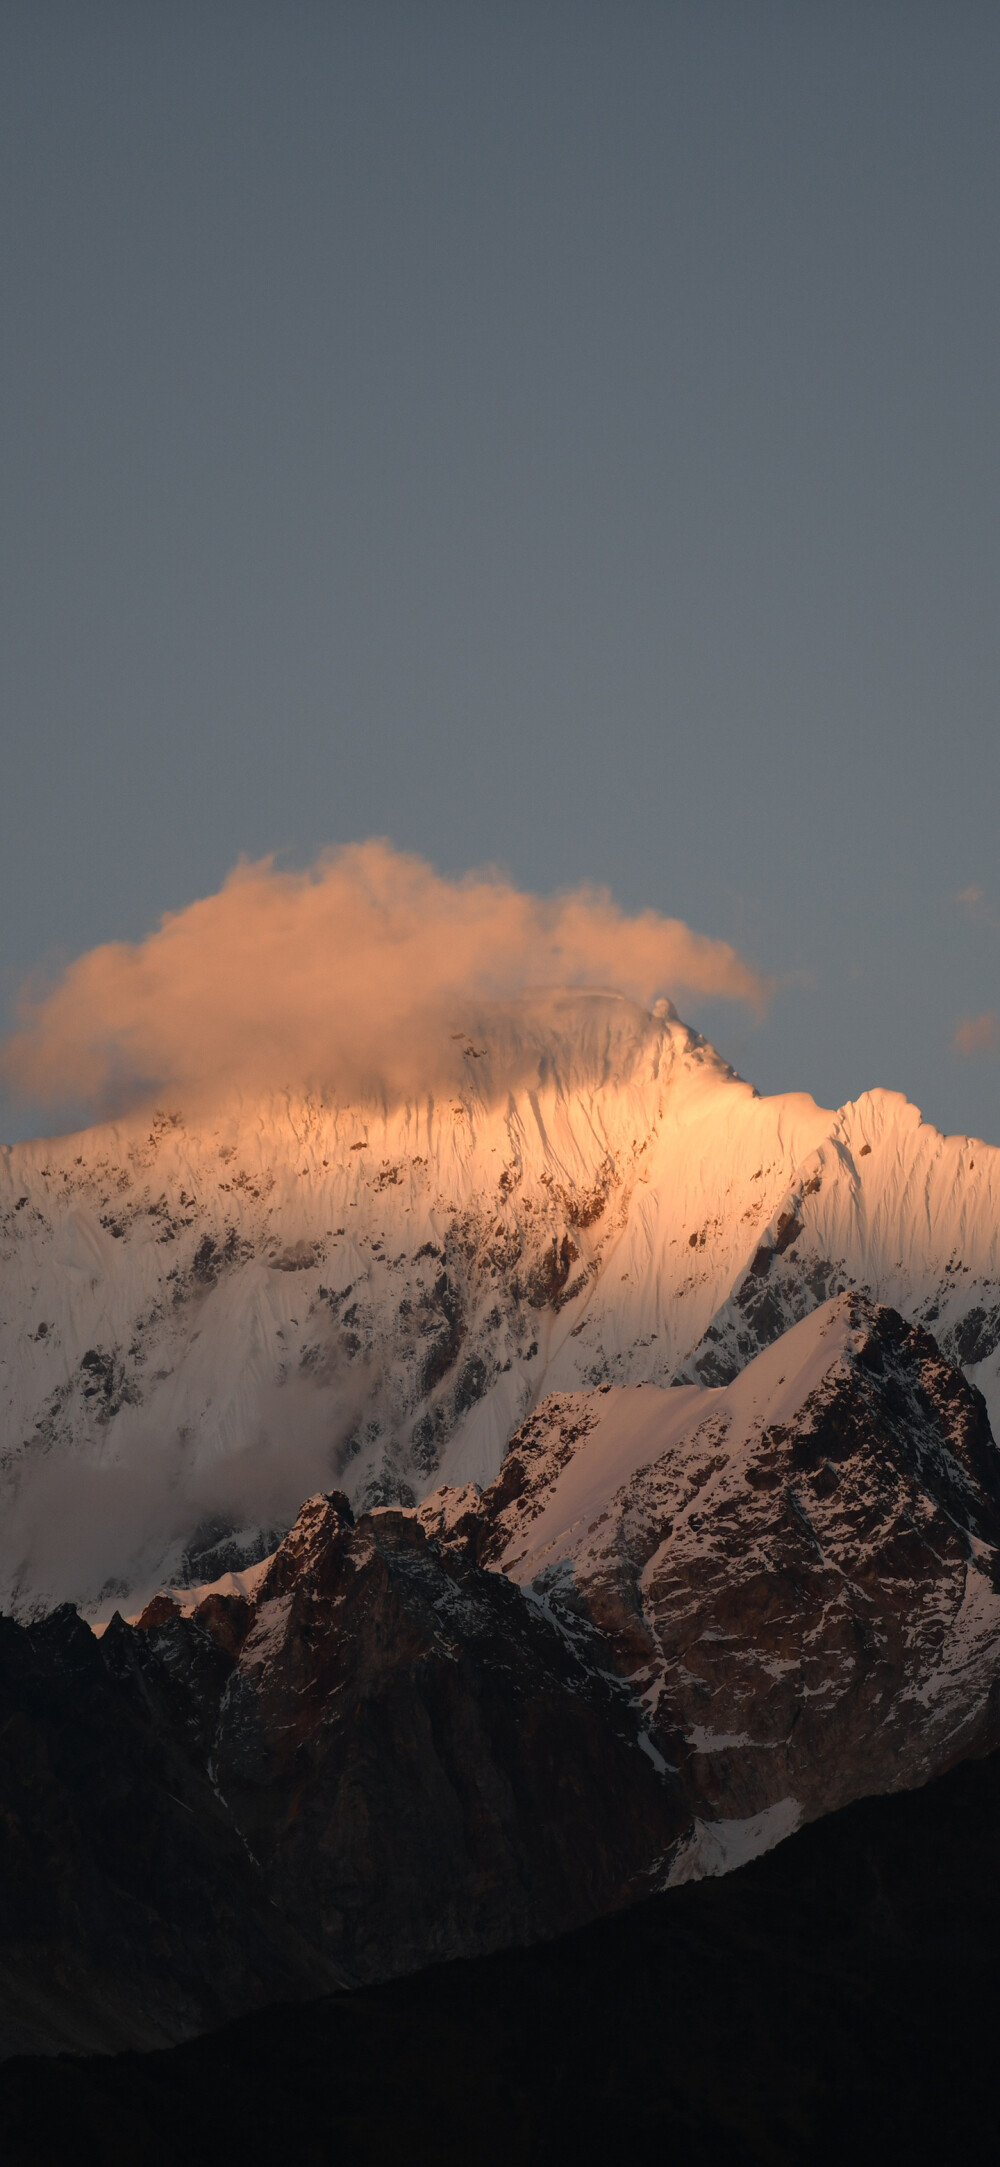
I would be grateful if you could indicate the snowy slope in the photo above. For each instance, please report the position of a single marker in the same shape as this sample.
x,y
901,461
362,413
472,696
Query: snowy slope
x,y
887,1203
797,1572
205,1320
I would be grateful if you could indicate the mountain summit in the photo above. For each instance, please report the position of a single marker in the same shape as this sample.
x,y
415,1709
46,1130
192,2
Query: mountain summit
x,y
206,1320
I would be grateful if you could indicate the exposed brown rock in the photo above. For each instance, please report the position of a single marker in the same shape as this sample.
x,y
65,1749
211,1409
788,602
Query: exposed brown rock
x,y
159,1612
440,1732
808,1608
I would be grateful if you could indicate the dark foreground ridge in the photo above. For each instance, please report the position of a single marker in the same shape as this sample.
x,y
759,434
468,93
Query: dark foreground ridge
x,y
836,2000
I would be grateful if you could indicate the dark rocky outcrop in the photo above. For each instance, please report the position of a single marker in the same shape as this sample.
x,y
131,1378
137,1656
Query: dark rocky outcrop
x,y
419,1762
388,1757
130,1912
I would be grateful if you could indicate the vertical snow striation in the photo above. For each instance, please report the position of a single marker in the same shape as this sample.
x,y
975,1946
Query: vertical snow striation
x,y
204,1323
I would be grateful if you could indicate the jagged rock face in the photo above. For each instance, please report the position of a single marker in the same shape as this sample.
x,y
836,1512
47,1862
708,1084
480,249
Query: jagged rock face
x,y
798,1574
208,1316
418,1760
385,1757
679,1622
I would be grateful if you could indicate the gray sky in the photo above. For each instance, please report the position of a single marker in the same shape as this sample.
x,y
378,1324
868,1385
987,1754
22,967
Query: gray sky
x,y
561,435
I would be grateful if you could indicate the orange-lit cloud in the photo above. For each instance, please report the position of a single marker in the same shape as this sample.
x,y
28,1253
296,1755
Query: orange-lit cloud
x,y
342,977
976,1034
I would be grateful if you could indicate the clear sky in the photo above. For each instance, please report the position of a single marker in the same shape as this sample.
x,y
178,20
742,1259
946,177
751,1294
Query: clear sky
x,y
560,435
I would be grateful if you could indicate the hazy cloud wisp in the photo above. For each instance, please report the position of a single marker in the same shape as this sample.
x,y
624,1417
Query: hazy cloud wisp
x,y
976,1034
344,977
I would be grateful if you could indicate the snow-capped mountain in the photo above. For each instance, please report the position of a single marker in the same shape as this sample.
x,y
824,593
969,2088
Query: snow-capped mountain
x,y
799,1572
679,1622
207,1317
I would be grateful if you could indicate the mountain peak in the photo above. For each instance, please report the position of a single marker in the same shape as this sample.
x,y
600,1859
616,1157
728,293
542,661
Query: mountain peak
x,y
211,1316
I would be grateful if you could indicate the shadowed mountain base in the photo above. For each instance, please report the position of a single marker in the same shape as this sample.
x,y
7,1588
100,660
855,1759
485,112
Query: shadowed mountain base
x,y
835,2000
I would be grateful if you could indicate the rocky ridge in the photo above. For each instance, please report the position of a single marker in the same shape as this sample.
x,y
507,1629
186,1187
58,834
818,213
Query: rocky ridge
x,y
384,1755
798,1574
679,1622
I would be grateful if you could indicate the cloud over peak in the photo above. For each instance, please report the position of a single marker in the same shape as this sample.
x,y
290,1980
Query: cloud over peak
x,y
344,977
